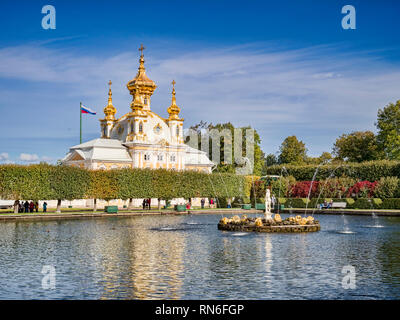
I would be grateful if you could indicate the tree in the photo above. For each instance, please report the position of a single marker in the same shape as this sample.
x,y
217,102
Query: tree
x,y
325,157
357,146
388,124
271,160
224,165
292,151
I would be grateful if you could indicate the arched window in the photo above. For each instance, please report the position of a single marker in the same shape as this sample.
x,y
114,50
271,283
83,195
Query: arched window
x,y
104,131
177,131
145,101
147,157
141,127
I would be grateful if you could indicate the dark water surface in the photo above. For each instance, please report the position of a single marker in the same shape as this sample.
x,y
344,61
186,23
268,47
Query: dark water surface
x,y
186,257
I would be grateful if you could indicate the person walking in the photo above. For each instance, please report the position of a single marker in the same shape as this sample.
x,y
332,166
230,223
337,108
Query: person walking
x,y
36,206
211,203
149,203
144,203
26,206
44,206
31,206
202,201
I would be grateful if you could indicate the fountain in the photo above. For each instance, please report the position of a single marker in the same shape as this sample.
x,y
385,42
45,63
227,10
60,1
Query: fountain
x,y
269,223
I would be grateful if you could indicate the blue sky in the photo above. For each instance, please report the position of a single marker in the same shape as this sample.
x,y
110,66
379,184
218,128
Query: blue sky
x,y
283,67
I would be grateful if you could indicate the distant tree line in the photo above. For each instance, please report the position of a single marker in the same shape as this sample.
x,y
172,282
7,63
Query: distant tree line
x,y
357,146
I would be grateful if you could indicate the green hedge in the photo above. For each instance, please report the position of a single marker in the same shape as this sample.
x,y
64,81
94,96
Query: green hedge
x,y
45,182
371,170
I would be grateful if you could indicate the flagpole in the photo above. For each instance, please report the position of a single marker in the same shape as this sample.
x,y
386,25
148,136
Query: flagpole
x,y
80,116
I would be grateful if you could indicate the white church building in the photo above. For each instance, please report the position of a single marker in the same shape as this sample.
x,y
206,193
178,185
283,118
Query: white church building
x,y
139,138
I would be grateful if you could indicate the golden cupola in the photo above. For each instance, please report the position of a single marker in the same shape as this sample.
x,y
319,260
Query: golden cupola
x,y
137,103
173,109
141,82
110,110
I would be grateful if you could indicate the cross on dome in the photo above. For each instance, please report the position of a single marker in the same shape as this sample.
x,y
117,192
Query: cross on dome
x,y
141,49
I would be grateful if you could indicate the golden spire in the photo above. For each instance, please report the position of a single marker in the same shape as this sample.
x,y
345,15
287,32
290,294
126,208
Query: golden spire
x,y
110,110
146,85
141,61
173,109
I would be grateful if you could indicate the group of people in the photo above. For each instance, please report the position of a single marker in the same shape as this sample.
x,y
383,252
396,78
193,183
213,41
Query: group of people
x,y
212,202
146,204
29,206
326,205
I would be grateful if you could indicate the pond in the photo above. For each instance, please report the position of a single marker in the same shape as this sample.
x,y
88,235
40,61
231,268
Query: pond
x,y
186,257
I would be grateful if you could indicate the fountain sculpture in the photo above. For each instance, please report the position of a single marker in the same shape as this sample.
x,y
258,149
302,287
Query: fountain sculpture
x,y
269,223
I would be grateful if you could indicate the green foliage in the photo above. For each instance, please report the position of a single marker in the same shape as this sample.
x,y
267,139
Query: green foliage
x,y
362,203
223,164
271,160
370,170
390,203
387,187
302,203
282,186
25,182
102,185
377,202
47,182
357,146
388,124
325,157
68,183
335,187
292,151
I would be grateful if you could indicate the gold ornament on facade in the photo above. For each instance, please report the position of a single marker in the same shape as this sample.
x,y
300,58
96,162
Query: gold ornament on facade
x,y
173,109
110,110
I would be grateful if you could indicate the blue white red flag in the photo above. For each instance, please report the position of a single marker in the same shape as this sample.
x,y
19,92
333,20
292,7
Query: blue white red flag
x,y
87,110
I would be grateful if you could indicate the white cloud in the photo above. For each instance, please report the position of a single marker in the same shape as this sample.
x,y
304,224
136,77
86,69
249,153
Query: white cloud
x,y
4,156
46,159
26,157
316,93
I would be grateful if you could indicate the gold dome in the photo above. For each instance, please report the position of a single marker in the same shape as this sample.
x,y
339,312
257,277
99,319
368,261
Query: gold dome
x,y
110,110
137,104
141,82
173,109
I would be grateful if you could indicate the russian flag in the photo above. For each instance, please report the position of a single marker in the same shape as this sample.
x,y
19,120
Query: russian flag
x,y
87,110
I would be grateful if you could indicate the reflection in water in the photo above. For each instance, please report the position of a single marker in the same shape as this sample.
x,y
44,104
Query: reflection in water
x,y
182,257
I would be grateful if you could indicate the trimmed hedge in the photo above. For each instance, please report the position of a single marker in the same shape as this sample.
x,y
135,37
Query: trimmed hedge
x,y
45,182
370,170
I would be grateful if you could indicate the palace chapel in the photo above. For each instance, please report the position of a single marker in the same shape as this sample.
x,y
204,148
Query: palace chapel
x,y
140,138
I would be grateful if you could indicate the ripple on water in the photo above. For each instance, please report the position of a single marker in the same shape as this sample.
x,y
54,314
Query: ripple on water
x,y
181,257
